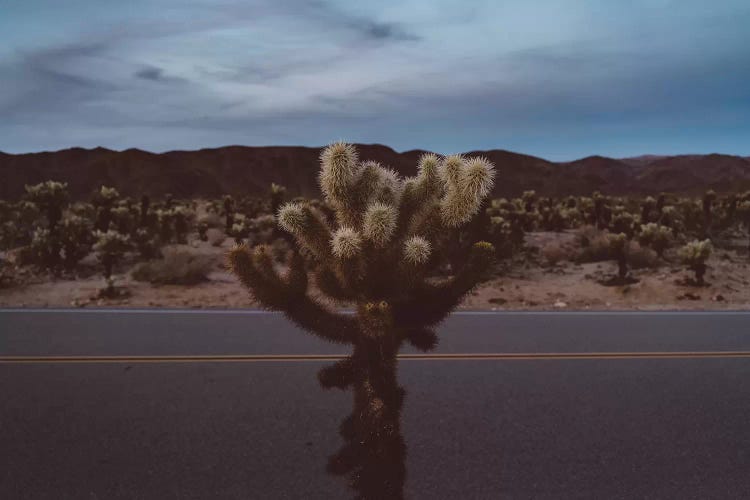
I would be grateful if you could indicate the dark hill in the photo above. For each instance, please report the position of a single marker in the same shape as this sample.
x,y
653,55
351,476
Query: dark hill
x,y
241,170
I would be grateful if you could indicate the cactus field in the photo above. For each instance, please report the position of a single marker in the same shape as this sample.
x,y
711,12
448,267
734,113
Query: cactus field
x,y
372,233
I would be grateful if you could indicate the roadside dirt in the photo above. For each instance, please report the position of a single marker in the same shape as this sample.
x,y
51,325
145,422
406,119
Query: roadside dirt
x,y
526,286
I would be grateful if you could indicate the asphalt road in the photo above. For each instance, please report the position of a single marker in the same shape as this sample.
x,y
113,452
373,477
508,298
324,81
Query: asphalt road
x,y
109,405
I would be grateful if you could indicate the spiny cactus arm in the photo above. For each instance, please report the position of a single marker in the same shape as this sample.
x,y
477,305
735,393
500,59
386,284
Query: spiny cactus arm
x,y
424,339
415,261
309,228
418,191
330,285
289,294
468,183
338,174
341,374
431,303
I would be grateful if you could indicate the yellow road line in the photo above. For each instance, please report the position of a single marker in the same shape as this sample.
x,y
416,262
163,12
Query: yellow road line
x,y
249,358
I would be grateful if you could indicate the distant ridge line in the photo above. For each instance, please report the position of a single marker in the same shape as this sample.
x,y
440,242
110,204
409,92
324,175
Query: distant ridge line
x,y
249,170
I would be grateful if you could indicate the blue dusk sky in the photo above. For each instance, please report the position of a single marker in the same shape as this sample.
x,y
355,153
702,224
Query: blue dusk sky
x,y
560,79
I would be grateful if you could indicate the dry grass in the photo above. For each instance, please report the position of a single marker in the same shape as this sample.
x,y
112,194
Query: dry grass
x,y
179,266
216,237
555,252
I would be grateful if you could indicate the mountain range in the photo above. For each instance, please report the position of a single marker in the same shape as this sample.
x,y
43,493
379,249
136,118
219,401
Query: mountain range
x,y
241,170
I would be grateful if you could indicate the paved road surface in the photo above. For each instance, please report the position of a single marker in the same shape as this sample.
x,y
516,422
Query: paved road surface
x,y
611,414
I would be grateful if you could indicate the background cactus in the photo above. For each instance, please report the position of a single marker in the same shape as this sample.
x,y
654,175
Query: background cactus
x,y
618,245
377,254
743,210
110,247
656,236
75,239
51,199
104,199
694,255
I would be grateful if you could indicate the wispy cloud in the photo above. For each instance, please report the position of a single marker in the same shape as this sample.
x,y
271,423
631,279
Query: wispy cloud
x,y
545,78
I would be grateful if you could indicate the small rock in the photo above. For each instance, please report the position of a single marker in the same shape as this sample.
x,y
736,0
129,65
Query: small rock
x,y
688,296
560,304
718,298
497,300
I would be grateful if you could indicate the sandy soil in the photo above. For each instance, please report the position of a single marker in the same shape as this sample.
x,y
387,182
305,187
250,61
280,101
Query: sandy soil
x,y
524,286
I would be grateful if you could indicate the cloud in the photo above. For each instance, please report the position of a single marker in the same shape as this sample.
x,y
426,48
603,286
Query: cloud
x,y
405,73
154,74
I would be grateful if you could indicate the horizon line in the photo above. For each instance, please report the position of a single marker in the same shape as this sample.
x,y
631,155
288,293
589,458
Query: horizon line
x,y
179,150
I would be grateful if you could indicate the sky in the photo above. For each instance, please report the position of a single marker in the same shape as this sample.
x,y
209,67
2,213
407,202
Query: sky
x,y
560,79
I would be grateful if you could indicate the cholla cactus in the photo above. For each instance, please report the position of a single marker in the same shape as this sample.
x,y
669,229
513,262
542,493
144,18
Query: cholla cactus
x,y
618,247
694,255
76,240
743,210
104,199
165,223
50,197
228,213
182,217
202,230
708,203
146,242
124,218
656,236
377,256
647,208
44,250
110,247
240,228
277,197
143,214
623,222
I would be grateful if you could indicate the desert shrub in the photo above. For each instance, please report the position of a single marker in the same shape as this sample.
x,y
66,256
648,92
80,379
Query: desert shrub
x,y
694,255
593,245
554,252
215,237
640,257
178,266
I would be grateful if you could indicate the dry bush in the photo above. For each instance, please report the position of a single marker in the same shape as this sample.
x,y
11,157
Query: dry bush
x,y
212,220
179,266
594,245
640,257
555,252
216,237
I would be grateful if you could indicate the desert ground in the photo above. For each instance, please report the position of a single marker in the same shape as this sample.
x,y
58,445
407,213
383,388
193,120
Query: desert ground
x,y
527,283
